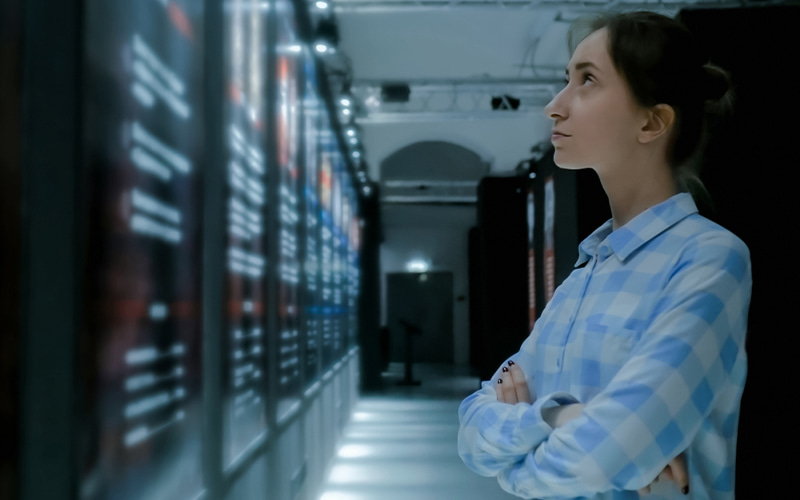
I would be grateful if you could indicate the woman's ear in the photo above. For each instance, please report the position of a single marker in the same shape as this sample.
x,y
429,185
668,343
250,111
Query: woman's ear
x,y
659,120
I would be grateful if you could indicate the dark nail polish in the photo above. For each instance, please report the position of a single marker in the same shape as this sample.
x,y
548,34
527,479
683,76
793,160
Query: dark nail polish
x,y
510,363
685,490
505,369
499,381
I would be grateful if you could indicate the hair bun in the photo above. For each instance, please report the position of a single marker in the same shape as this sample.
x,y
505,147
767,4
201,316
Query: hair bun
x,y
716,82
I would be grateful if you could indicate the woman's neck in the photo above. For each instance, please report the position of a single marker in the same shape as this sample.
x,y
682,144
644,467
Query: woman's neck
x,y
630,195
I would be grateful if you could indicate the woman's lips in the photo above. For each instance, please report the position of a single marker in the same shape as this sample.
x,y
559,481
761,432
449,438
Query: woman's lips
x,y
558,136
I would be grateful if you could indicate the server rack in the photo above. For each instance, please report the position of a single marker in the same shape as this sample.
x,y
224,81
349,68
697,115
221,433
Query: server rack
x,y
502,282
166,238
525,245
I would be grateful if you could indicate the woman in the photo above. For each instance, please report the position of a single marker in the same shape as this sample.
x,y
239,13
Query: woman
x,y
640,354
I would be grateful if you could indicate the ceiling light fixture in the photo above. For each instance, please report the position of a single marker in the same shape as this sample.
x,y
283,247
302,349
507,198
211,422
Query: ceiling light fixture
x,y
327,35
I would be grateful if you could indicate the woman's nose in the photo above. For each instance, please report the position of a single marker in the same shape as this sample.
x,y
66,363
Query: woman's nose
x,y
551,110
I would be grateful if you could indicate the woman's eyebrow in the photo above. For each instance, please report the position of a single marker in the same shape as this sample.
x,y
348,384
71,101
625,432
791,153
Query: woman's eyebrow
x,y
581,65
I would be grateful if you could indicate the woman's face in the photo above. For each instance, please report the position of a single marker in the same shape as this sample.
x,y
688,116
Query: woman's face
x,y
595,110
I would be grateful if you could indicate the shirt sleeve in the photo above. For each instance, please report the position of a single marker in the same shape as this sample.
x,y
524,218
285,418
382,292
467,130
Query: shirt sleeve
x,y
655,405
494,435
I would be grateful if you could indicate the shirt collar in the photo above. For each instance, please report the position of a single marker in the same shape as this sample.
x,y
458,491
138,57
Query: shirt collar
x,y
639,230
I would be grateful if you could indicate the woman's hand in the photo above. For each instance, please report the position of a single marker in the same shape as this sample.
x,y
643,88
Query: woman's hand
x,y
512,388
675,471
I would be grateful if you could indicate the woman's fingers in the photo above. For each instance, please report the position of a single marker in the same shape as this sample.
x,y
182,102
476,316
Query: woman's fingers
x,y
498,388
678,471
665,473
520,384
509,392
511,387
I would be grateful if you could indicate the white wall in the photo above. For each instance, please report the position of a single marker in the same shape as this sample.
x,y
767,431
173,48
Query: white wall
x,y
440,235
503,141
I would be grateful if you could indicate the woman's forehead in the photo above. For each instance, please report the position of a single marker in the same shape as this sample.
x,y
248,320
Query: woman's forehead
x,y
592,50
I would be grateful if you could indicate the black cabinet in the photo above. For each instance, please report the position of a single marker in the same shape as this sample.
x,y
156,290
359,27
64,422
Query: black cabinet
x,y
525,245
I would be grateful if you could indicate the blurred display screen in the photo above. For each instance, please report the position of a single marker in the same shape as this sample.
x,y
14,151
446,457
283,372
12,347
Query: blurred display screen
x,y
344,269
288,65
245,289
326,181
353,248
312,109
140,353
531,219
339,173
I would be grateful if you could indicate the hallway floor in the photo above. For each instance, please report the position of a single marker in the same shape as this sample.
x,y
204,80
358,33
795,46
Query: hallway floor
x,y
402,444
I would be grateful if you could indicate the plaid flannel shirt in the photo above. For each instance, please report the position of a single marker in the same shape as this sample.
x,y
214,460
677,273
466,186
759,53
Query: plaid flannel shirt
x,y
650,335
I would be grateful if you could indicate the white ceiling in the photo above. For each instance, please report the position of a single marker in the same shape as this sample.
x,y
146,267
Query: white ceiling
x,y
457,44
479,42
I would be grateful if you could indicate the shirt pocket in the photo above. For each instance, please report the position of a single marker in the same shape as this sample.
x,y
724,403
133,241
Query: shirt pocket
x,y
600,353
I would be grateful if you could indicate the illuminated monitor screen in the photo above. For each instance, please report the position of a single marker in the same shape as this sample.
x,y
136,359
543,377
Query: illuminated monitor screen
x,y
327,182
344,260
312,108
140,355
247,236
288,66
353,244
338,296
343,251
355,277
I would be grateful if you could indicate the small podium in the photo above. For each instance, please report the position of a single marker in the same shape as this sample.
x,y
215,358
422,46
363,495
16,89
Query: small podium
x,y
410,330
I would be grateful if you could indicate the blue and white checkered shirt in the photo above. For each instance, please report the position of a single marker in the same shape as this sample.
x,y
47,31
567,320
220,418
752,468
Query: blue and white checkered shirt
x,y
650,335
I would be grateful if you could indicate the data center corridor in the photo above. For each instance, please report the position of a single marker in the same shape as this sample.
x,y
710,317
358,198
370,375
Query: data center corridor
x,y
401,444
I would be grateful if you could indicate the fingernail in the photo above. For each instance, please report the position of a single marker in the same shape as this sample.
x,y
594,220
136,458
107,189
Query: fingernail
x,y
510,363
499,381
685,490
505,369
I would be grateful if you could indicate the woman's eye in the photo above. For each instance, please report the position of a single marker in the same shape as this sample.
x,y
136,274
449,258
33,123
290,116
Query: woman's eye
x,y
585,79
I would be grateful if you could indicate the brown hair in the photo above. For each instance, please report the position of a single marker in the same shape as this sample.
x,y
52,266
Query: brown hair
x,y
662,63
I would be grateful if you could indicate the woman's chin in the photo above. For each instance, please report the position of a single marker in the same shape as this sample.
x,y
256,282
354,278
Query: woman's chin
x,y
563,162
567,165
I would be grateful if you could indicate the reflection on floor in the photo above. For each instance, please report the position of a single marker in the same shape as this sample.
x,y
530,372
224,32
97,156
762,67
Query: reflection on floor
x,y
401,444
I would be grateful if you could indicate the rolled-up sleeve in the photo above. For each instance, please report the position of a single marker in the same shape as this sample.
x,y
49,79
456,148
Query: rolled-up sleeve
x,y
493,435
655,405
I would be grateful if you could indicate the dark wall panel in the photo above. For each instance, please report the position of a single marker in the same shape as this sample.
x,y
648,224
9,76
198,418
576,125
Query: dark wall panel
x,y
11,34
749,170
